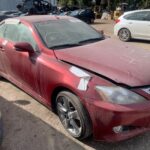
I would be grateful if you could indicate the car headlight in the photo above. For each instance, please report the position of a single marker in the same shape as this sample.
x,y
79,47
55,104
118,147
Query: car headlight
x,y
119,95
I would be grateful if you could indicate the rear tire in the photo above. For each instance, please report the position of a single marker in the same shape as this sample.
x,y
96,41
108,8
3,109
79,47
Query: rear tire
x,y
124,35
92,21
73,115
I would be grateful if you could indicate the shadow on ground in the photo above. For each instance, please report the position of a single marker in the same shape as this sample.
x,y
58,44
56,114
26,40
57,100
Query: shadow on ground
x,y
25,131
28,132
140,41
31,133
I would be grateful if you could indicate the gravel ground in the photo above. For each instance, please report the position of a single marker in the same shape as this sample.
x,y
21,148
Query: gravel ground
x,y
28,125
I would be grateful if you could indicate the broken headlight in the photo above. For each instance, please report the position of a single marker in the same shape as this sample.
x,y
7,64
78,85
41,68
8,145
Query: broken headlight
x,y
119,95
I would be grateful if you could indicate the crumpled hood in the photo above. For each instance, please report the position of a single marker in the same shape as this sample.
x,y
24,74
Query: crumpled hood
x,y
113,59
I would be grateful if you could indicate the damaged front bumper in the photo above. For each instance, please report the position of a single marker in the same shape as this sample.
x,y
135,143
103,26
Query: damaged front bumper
x,y
114,123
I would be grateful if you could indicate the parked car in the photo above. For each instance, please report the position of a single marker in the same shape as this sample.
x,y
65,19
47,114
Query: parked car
x,y
5,14
87,15
35,7
67,9
133,24
9,14
96,85
2,17
29,7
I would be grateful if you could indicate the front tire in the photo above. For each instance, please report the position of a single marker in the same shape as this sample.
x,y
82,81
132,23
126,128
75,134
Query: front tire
x,y
124,35
73,115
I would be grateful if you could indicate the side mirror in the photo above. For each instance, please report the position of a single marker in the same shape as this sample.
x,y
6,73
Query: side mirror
x,y
24,47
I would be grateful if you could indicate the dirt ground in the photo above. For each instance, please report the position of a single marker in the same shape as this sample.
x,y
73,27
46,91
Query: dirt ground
x,y
107,27
28,125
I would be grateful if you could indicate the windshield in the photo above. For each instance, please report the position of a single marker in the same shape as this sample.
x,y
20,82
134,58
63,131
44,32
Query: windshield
x,y
73,32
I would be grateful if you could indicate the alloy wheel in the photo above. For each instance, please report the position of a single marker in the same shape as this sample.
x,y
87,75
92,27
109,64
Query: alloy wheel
x,y
124,35
69,116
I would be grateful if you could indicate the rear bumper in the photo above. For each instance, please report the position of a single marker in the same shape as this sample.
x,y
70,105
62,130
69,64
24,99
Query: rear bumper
x,y
134,120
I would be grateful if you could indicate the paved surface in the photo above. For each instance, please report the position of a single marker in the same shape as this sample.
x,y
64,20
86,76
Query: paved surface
x,y
29,125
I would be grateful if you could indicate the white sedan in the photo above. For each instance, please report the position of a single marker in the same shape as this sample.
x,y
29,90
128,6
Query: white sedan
x,y
133,24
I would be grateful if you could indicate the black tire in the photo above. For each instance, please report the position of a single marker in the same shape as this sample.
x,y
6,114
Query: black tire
x,y
92,21
124,35
1,129
78,114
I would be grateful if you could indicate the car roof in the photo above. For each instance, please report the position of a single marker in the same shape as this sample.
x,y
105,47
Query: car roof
x,y
38,18
141,10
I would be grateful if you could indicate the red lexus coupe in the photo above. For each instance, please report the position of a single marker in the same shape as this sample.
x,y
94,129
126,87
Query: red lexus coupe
x,y
96,85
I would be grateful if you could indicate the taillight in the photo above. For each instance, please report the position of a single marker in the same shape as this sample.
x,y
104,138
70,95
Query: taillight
x,y
117,21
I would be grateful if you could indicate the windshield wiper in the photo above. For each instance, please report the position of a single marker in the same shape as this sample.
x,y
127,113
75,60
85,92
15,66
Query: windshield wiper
x,y
90,40
64,46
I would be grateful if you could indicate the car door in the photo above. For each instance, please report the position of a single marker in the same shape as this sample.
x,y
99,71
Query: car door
x,y
21,68
138,24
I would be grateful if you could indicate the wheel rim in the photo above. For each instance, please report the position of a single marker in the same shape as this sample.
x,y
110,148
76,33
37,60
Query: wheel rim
x,y
124,34
69,116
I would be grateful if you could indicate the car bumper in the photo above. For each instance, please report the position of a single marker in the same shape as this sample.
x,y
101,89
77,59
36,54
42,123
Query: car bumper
x,y
114,123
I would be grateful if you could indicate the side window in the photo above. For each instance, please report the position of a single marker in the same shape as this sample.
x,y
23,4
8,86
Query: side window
x,y
2,29
139,16
11,32
130,16
19,33
25,35
143,16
